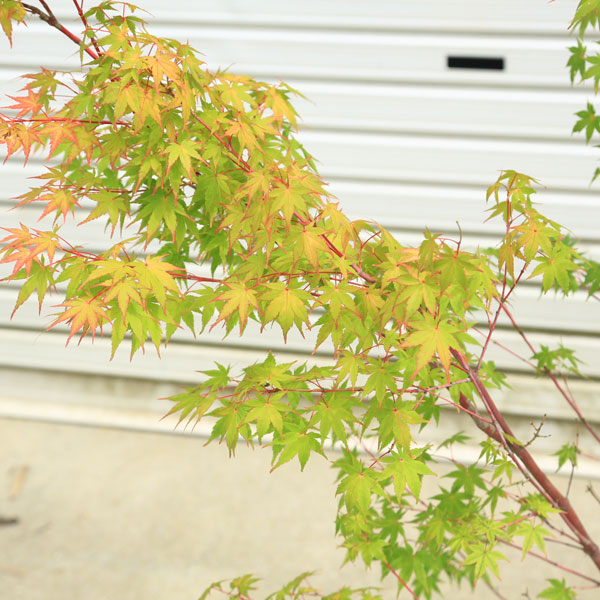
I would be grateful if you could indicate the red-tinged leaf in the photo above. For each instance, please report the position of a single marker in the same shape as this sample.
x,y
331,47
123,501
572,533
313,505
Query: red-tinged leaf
x,y
17,136
56,131
82,314
282,109
23,247
309,244
163,65
59,200
238,299
158,276
26,104
11,10
243,133
124,291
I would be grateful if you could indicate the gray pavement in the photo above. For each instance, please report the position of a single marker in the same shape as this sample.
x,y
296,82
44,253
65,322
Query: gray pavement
x,y
114,514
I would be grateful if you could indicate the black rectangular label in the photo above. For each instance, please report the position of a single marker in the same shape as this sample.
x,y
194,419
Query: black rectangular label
x,y
476,62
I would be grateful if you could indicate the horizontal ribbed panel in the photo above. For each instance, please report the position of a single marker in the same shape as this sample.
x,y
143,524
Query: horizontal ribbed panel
x,y
401,138
337,55
496,16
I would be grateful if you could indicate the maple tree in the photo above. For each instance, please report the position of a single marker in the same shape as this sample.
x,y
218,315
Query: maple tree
x,y
206,166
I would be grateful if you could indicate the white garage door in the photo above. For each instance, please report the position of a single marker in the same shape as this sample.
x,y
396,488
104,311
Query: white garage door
x,y
413,108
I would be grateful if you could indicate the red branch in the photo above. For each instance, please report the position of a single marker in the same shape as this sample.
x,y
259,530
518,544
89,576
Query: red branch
x,y
79,7
555,381
498,433
51,19
395,574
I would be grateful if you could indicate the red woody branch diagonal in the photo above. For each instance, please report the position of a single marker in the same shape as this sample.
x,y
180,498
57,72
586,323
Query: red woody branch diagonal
x,y
498,433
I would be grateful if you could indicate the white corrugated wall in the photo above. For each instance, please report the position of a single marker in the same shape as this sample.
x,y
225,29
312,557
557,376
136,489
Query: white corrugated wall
x,y
402,138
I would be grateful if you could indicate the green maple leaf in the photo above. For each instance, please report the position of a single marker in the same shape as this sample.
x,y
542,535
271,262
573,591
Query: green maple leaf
x,y
287,306
184,151
432,336
331,412
334,297
298,443
588,120
586,14
484,557
406,468
467,478
191,404
238,299
532,534
268,373
419,290
266,411
567,452
552,360
218,378
358,486
555,266
593,71
576,62
382,379
349,364
394,423
229,424
558,590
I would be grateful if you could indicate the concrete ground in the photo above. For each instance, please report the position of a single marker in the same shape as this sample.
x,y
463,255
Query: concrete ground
x,y
113,514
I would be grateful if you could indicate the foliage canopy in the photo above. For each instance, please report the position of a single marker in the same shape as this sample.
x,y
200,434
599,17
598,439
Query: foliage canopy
x,y
206,166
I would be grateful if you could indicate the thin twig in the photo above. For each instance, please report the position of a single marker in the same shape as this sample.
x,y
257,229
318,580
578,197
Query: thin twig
x,y
395,574
51,19
555,381
79,7
553,562
591,490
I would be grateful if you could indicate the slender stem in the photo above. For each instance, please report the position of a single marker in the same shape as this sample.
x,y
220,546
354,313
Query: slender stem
x,y
51,19
79,7
395,574
534,473
554,380
554,563
592,491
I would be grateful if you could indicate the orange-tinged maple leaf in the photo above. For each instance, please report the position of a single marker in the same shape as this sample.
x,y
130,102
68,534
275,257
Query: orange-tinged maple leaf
x,y
23,247
162,64
125,291
56,131
82,314
309,243
17,136
281,106
61,200
156,275
26,104
11,10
